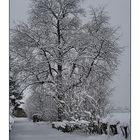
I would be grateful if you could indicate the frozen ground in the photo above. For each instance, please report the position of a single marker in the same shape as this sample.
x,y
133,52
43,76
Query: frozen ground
x,y
23,129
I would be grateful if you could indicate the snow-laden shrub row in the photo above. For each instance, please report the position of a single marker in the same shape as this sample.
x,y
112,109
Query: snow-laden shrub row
x,y
108,126
11,121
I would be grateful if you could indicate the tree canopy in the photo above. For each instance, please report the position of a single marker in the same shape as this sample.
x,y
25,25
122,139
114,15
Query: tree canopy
x,y
73,60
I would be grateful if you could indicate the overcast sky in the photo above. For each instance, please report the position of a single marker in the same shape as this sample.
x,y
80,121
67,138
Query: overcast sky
x,y
119,11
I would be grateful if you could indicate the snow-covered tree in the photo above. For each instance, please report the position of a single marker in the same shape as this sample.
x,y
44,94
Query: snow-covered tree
x,y
41,102
56,49
14,96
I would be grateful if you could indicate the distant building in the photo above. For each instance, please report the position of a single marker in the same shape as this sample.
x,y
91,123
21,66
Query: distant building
x,y
19,112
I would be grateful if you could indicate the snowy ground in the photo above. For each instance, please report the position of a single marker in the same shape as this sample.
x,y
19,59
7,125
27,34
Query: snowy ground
x,y
23,129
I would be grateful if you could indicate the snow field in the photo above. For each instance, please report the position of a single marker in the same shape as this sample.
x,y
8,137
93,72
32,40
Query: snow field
x,y
24,129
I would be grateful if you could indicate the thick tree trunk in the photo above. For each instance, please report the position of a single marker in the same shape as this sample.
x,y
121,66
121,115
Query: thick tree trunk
x,y
60,94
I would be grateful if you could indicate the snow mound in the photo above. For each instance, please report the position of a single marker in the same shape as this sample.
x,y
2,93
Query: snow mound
x,y
60,124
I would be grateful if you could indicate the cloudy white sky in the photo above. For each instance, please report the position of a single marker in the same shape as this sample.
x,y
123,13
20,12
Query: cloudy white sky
x,y
119,11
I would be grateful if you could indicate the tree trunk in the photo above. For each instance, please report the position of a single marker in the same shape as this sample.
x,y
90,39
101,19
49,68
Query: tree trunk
x,y
60,94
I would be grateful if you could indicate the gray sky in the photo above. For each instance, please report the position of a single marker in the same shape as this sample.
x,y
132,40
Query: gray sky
x,y
119,11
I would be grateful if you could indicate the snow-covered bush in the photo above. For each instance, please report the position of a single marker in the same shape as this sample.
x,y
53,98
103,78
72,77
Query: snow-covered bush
x,y
70,126
36,118
111,125
42,103
64,126
121,121
14,99
14,96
